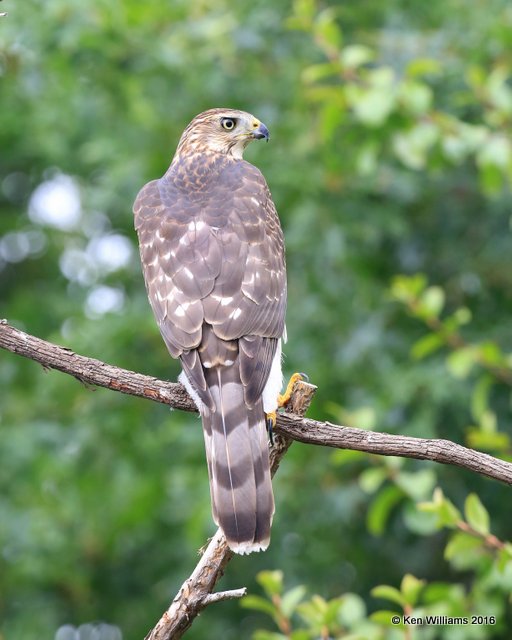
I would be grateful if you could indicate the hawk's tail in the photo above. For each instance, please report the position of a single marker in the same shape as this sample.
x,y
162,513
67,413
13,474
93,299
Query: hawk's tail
x,y
238,462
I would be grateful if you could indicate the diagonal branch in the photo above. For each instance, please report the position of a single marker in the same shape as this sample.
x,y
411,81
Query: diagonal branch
x,y
94,372
304,430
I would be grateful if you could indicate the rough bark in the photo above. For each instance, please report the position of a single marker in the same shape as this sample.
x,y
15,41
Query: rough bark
x,y
306,430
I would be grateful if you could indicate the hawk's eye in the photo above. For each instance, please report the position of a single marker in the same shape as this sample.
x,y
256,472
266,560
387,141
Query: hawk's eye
x,y
228,123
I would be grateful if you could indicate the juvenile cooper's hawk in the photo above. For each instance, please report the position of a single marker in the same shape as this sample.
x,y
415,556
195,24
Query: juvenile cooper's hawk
x,y
213,259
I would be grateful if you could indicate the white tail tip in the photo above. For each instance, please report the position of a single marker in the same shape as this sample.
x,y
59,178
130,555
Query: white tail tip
x,y
245,548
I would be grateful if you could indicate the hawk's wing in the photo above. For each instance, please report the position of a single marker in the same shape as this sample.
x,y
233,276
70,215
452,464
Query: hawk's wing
x,y
213,252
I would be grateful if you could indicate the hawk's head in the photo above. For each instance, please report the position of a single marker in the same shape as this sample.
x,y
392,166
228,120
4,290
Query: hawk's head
x,y
226,131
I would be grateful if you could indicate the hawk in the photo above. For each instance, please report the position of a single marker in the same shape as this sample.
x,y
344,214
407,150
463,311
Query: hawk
x,y
212,254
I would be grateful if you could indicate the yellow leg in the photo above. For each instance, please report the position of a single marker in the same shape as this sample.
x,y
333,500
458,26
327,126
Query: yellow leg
x,y
270,420
284,399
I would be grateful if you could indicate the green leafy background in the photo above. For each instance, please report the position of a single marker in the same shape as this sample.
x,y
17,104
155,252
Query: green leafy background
x,y
390,163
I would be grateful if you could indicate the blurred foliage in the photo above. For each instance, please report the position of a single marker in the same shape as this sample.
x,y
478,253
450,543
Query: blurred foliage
x,y
471,548
391,165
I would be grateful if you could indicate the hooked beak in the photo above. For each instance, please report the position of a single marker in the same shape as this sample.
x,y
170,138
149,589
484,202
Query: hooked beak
x,y
261,132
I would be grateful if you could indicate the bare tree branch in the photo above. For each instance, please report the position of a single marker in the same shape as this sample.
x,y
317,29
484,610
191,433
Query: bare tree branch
x,y
219,596
95,372
387,444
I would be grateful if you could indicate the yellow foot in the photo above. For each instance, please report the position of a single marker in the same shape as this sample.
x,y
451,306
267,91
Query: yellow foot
x,y
271,419
284,399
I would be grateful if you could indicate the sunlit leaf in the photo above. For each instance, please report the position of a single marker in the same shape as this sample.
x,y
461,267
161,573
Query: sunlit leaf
x,y
476,514
418,485
385,618
291,599
355,55
380,509
371,479
271,581
258,604
464,551
461,362
386,592
426,345
411,588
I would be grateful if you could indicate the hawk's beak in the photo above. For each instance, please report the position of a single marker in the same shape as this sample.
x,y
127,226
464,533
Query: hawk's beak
x,y
261,132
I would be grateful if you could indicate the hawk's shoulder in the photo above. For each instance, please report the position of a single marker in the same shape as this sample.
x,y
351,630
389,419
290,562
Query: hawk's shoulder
x,y
147,203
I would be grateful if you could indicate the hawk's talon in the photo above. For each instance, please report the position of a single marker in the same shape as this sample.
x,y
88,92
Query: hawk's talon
x,y
284,399
270,422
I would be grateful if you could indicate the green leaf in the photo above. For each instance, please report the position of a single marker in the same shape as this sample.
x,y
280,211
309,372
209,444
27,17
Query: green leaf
x,y
464,551
491,179
313,611
291,599
417,485
356,55
480,396
491,353
426,345
488,422
411,588
367,158
461,362
462,316
362,418
408,288
494,159
371,479
495,152
385,592
346,456
454,148
504,559
352,609
448,515
419,521
327,30
303,15
331,118
304,8
373,103
476,514
271,581
444,593
385,617
497,87
259,604
416,97
432,301
380,509
413,145
316,72
333,610
423,66
488,441
268,635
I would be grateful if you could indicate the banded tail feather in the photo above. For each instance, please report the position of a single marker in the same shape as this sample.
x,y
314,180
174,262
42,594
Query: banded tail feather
x,y
238,462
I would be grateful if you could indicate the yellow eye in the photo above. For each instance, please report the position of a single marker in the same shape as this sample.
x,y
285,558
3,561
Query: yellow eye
x,y
228,123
